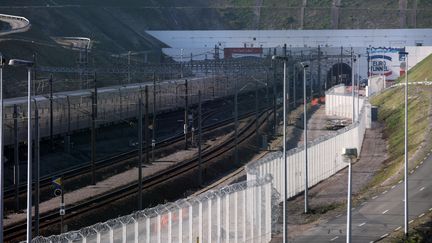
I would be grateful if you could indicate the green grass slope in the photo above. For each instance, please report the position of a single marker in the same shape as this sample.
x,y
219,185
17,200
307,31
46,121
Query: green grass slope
x,y
420,72
391,112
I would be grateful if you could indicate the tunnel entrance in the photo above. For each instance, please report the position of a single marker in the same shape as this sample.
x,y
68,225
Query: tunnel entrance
x,y
339,73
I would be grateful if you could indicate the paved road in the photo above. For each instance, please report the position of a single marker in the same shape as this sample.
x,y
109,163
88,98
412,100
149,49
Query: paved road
x,y
382,214
17,24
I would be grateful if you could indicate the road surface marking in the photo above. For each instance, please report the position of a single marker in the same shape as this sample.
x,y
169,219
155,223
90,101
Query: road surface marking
x,y
421,162
412,220
363,203
385,211
393,187
428,154
360,225
372,242
384,236
400,182
421,215
421,189
352,208
430,209
398,228
374,197
412,171
384,192
425,158
337,216
417,167
332,239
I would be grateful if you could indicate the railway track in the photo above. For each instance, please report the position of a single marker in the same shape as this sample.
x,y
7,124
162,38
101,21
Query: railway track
x,y
18,230
115,160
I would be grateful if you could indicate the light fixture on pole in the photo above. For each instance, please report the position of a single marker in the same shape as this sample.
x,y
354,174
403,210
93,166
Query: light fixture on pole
x,y
28,65
350,155
404,65
2,62
306,200
285,166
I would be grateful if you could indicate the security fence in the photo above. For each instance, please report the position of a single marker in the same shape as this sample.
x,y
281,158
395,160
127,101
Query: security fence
x,y
324,154
241,212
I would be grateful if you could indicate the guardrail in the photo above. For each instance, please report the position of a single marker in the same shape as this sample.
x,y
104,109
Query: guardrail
x,y
23,28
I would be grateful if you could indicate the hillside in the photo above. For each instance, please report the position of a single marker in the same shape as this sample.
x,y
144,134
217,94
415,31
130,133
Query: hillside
x,y
421,71
117,27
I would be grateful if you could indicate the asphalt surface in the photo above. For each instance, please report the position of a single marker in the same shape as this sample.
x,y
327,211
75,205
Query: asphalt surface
x,y
382,214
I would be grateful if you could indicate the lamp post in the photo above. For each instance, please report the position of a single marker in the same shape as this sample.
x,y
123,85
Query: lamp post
x,y
358,86
306,203
285,191
353,60
350,154
1,147
405,66
29,65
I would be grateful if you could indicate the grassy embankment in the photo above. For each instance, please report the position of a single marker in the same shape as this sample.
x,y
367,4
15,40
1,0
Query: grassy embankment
x,y
391,113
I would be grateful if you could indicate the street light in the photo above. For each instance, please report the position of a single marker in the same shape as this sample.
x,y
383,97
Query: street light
x,y
285,192
2,62
306,204
350,155
353,60
405,66
29,65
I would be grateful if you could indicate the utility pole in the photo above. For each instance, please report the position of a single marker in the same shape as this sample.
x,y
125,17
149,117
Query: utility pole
x,y
129,62
294,84
140,143
306,199
236,121
93,132
319,71
16,158
51,112
154,118
274,99
67,142
186,119
37,169
256,114
146,133
199,139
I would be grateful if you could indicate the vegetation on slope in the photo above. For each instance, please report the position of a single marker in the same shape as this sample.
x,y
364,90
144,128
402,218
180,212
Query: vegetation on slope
x,y
391,113
420,72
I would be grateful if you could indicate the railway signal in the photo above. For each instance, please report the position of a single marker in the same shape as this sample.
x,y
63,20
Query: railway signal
x,y
58,192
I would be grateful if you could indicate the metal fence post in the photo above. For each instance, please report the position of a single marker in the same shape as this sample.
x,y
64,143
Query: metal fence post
x,y
159,222
200,221
136,231
218,218
148,230
244,214
209,220
190,224
169,227
236,217
227,217
180,235
124,236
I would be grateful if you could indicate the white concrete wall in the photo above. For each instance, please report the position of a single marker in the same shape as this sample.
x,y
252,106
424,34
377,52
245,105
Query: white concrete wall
x,y
324,154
